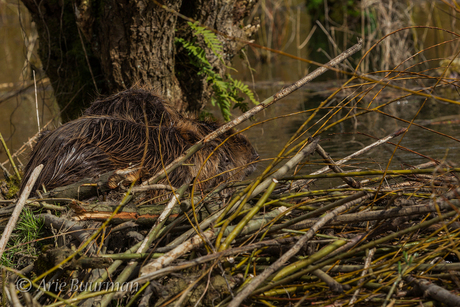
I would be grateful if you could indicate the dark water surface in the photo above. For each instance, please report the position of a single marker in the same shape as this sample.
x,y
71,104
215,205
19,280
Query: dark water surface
x,y
350,136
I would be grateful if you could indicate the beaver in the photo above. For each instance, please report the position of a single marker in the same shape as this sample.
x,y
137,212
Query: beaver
x,y
111,135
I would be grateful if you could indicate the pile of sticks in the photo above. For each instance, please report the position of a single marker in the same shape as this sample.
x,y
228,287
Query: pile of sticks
x,y
382,238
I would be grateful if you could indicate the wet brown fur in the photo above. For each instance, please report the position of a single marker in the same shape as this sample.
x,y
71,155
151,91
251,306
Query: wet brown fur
x,y
112,136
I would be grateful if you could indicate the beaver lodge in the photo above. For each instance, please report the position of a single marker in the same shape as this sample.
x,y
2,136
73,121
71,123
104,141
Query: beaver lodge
x,y
143,206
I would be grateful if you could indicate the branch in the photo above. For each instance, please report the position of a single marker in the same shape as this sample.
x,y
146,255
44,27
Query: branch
x,y
17,210
264,104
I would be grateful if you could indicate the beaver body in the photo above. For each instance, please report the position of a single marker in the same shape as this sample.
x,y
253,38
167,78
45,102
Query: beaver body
x,y
112,135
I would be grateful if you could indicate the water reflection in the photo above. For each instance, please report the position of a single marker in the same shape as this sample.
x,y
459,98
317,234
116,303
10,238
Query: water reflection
x,y
350,136
18,59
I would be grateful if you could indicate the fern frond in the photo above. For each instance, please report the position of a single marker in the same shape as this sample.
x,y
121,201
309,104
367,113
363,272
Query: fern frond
x,y
194,51
210,39
244,89
226,92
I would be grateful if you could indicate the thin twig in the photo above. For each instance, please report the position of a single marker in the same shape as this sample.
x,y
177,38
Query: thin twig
x,y
36,102
383,214
367,264
307,150
10,158
348,158
264,104
5,171
286,256
333,166
197,241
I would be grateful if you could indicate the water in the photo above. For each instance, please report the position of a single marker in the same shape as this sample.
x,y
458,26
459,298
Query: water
x,y
19,114
341,140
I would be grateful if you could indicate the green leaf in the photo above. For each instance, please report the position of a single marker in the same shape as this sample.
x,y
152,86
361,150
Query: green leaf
x,y
226,92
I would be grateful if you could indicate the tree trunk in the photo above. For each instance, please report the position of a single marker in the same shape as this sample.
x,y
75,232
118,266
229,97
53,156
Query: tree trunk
x,y
90,48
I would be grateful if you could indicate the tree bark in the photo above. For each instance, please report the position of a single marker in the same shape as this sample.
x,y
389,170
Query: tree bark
x,y
90,48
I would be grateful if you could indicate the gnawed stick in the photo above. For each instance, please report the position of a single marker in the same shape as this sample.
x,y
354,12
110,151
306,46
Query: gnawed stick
x,y
17,210
264,104
307,150
383,214
197,241
211,257
325,169
436,292
362,280
240,297
152,235
333,166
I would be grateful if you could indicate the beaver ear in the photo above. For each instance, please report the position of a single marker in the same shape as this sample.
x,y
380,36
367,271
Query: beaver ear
x,y
188,131
188,136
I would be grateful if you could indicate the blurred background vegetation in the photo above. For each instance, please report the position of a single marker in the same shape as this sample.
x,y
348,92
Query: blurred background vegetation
x,y
401,35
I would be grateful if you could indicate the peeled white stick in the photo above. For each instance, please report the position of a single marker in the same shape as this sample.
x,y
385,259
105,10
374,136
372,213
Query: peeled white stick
x,y
36,103
17,210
